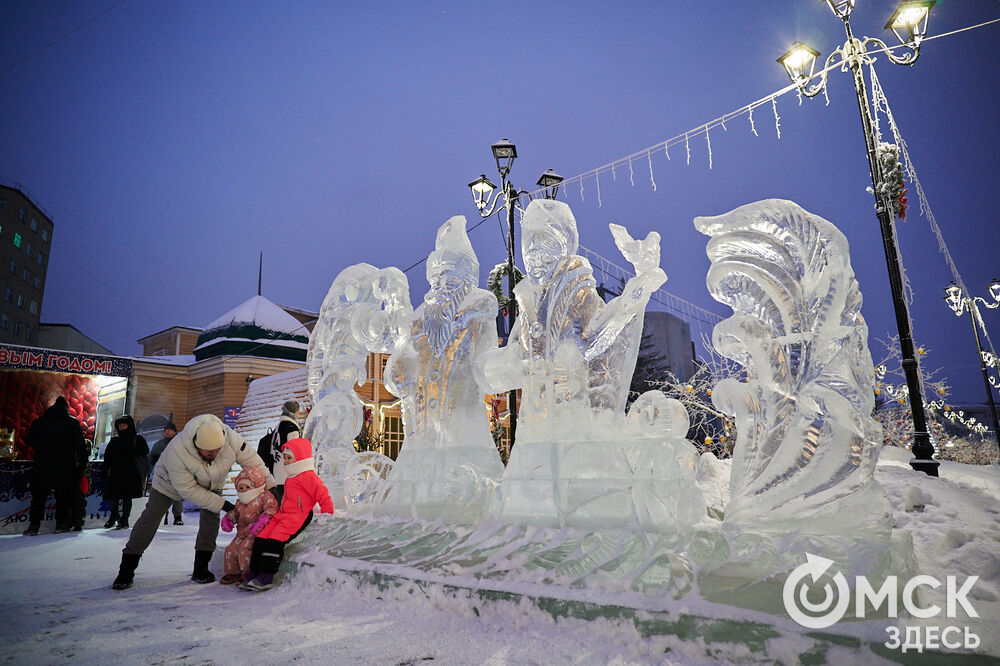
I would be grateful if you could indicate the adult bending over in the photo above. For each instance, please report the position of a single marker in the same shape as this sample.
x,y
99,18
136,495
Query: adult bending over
x,y
194,467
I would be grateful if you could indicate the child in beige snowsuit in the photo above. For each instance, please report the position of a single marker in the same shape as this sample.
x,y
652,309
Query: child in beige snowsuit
x,y
252,512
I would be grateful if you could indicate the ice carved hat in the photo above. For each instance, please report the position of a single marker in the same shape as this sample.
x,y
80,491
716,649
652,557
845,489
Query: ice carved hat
x,y
453,249
554,217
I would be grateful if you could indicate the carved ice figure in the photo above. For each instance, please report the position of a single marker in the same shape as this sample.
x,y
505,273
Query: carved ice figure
x,y
573,357
806,443
363,311
448,464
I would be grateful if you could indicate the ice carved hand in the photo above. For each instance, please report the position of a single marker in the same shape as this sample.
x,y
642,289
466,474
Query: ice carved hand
x,y
259,524
644,255
227,524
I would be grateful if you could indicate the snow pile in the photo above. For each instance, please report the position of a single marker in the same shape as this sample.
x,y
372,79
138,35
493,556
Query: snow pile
x,y
59,606
955,533
262,406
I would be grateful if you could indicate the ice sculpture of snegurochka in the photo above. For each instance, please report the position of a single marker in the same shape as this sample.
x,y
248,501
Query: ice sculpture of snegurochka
x,y
363,311
449,464
578,461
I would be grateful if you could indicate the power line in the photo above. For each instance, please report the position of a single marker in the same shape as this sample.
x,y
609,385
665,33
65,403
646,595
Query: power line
x,y
62,37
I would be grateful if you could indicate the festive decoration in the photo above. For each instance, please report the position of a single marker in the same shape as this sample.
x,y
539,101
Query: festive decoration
x,y
892,189
684,138
495,282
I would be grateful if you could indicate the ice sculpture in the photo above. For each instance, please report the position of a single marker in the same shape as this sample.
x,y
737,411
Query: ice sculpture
x,y
363,311
577,460
807,444
448,464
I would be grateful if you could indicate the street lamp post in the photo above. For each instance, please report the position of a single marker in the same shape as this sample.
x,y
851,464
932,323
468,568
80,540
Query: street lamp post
x,y
960,303
909,23
505,152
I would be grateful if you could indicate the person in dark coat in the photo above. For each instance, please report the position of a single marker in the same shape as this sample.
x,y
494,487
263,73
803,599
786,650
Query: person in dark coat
x,y
60,458
270,450
124,459
169,432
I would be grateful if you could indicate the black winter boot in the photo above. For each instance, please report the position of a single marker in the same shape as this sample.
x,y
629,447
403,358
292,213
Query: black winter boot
x,y
126,572
201,574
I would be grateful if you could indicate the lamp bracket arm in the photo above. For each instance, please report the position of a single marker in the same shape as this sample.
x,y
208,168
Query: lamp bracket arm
x,y
491,207
987,304
908,58
813,90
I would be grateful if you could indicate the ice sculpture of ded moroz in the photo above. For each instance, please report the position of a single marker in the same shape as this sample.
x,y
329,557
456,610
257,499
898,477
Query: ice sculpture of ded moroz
x,y
576,456
363,311
448,465
807,443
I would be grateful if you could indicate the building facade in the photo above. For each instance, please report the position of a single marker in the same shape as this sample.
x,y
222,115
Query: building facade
x,y
25,243
185,371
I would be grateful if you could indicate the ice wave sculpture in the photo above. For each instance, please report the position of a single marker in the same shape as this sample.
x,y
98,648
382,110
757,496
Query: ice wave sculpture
x,y
448,465
806,443
363,311
577,460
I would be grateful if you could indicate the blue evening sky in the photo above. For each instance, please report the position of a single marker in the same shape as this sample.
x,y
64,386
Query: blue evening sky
x,y
173,141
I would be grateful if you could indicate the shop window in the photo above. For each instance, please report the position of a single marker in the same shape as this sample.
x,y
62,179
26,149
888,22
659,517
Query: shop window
x,y
41,258
33,307
20,214
34,224
17,240
45,235
4,322
392,436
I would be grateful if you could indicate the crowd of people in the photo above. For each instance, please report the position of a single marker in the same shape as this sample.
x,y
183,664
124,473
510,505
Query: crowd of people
x,y
277,488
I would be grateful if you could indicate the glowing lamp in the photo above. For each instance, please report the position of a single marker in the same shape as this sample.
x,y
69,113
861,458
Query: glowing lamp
x,y
953,297
799,62
482,188
909,21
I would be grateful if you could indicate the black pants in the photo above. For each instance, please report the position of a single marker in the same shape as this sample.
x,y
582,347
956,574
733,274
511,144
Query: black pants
x,y
79,508
267,554
126,510
63,492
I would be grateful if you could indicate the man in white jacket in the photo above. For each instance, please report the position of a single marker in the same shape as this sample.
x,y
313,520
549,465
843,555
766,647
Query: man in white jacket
x,y
193,467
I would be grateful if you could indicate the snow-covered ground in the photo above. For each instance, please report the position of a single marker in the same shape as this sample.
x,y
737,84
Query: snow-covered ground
x,y
58,606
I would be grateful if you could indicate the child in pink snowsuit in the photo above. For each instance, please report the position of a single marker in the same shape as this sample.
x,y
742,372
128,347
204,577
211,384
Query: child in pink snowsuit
x,y
252,512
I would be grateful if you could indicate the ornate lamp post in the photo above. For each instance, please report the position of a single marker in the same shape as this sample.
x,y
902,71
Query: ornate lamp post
x,y
505,152
909,23
961,303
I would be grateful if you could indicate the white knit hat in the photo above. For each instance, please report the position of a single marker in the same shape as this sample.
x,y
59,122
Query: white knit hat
x,y
210,436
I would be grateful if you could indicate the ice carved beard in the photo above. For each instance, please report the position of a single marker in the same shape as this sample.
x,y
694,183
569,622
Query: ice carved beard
x,y
440,307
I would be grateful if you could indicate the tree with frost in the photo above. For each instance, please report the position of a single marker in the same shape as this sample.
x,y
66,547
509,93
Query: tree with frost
x,y
954,434
711,429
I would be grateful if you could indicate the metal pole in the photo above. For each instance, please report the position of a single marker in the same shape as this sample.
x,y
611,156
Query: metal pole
x,y
509,199
923,450
986,377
